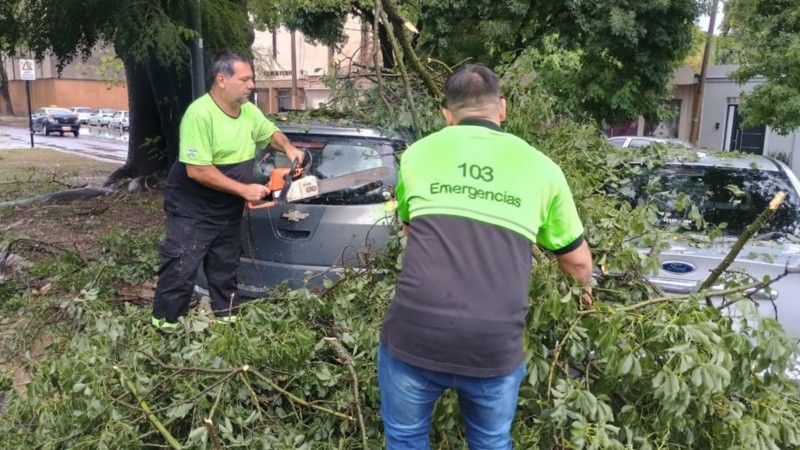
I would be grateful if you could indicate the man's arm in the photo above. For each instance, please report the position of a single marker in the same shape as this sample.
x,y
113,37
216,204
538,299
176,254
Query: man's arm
x,y
281,142
211,177
578,263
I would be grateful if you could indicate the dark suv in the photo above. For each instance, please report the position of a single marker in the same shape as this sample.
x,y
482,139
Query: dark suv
x,y
301,243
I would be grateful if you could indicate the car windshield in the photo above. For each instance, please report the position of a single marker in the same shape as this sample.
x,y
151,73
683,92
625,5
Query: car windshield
x,y
60,111
735,196
83,110
332,156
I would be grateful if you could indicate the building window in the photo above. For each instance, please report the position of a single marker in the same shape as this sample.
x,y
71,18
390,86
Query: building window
x,y
284,99
669,128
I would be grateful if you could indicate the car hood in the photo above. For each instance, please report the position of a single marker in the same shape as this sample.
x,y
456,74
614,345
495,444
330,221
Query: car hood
x,y
684,265
686,260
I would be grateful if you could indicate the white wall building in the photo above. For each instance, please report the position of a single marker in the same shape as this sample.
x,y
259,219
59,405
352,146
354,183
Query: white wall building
x,y
274,65
720,122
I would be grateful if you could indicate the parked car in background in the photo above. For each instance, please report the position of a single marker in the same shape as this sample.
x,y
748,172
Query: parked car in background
x,y
55,120
303,242
82,112
645,141
729,192
100,117
120,120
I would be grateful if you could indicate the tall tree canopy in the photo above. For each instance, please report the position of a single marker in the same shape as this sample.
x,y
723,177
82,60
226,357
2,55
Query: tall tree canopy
x,y
624,51
607,60
152,38
768,37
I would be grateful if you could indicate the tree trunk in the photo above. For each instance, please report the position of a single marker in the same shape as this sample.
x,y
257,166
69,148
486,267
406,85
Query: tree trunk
x,y
386,48
172,92
8,107
146,142
157,98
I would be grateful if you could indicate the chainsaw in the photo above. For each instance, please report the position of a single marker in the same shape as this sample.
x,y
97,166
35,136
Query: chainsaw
x,y
292,184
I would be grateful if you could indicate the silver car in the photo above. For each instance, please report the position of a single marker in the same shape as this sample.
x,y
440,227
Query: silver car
x,y
733,191
303,243
82,112
101,116
120,120
646,141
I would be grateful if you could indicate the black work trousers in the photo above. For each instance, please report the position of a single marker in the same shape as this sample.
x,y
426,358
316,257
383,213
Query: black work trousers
x,y
190,243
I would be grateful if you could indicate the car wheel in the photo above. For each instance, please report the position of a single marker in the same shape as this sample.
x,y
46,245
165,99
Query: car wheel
x,y
61,133
75,133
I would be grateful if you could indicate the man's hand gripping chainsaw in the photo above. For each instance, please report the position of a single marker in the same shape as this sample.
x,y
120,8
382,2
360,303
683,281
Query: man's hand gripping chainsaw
x,y
293,185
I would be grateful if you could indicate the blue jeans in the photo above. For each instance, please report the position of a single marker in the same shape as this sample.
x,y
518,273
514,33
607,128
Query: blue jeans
x,y
409,393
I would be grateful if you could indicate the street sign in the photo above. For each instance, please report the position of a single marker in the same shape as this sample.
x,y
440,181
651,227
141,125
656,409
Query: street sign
x,y
27,69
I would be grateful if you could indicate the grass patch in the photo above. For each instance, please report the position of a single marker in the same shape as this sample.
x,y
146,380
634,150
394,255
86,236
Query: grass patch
x,y
29,172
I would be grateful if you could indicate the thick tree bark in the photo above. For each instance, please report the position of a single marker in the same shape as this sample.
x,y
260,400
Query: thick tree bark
x,y
172,93
387,56
146,141
157,98
8,107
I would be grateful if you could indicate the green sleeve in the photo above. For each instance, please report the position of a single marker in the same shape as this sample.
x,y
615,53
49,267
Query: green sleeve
x,y
195,140
402,201
562,226
264,130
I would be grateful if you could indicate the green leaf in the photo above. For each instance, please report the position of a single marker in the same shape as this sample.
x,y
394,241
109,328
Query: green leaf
x,y
179,411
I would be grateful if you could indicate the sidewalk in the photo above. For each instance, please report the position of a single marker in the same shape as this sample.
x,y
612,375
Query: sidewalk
x,y
14,121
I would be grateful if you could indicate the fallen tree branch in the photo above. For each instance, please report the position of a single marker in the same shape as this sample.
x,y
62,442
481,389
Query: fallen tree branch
x,y
39,246
146,408
403,72
557,355
61,196
295,399
748,232
346,359
394,14
704,294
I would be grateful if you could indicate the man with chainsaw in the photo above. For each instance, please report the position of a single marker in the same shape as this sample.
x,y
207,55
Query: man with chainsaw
x,y
473,201
206,191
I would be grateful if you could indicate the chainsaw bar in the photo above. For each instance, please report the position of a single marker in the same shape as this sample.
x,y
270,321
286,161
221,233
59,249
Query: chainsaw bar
x,y
342,182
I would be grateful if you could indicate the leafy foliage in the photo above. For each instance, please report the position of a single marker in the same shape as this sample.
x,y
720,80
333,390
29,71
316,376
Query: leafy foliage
x,y
767,37
637,371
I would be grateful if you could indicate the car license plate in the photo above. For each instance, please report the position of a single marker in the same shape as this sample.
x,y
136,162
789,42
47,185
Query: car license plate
x,y
66,128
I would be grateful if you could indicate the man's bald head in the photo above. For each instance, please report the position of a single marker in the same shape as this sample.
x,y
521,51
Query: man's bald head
x,y
473,91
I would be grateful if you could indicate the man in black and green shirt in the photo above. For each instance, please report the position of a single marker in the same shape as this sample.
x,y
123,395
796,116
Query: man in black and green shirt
x,y
473,201
206,191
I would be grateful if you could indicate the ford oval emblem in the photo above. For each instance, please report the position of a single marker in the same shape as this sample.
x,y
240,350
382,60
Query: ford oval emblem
x,y
678,267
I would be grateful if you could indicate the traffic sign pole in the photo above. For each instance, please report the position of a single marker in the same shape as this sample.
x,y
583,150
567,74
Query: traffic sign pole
x,y
27,71
30,119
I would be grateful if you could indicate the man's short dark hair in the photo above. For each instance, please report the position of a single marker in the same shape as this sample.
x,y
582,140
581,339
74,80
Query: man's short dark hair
x,y
223,64
471,86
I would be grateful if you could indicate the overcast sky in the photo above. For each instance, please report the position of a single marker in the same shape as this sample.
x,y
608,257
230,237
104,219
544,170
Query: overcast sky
x,y
702,22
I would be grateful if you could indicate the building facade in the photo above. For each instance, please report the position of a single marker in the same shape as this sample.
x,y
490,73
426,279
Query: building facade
x,y
284,58
721,124
679,125
289,70
98,82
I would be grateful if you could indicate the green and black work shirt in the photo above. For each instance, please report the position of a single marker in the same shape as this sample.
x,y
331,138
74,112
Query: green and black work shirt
x,y
210,136
476,199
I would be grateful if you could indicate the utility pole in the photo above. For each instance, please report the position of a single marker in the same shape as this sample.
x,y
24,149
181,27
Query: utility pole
x,y
294,72
697,107
198,64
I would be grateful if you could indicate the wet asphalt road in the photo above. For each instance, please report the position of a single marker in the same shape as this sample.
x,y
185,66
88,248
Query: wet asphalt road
x,y
93,142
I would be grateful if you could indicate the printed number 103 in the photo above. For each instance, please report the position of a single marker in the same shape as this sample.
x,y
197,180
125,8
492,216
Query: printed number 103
x,y
477,172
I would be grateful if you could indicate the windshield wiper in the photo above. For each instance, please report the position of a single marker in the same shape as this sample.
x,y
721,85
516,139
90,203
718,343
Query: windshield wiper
x,y
771,235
